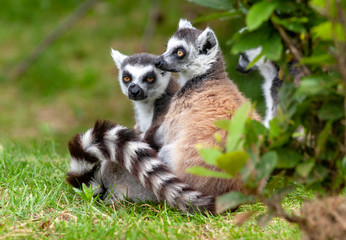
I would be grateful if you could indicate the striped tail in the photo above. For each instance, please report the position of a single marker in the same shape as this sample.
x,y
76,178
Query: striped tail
x,y
110,141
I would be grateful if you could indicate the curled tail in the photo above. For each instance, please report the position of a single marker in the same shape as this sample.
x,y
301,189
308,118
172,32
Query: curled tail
x,y
110,141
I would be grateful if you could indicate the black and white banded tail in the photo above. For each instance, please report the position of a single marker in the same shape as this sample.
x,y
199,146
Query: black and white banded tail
x,y
108,141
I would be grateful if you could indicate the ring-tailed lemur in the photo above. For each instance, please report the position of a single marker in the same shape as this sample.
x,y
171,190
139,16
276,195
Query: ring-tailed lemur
x,y
119,148
150,90
271,84
207,95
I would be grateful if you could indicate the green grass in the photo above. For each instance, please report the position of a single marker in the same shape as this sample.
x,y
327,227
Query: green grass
x,y
37,203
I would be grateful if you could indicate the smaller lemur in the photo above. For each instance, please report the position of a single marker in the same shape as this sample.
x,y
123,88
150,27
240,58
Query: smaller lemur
x,y
150,90
271,84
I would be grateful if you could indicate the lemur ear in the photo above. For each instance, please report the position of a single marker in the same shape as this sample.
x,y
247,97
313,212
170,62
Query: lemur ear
x,y
183,23
118,57
207,41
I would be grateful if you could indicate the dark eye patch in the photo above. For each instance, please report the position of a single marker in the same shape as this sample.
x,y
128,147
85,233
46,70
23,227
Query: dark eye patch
x,y
126,74
244,56
150,77
179,49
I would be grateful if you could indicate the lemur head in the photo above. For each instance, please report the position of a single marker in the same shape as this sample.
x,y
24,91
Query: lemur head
x,y
247,57
189,51
139,79
266,67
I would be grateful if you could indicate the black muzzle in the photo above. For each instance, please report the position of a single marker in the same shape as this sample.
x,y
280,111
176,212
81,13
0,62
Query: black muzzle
x,y
136,93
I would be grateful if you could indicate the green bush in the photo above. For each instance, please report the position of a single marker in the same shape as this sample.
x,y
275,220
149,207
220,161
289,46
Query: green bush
x,y
306,142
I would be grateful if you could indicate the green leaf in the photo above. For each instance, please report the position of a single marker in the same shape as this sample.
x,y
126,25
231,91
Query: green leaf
x,y
232,200
317,60
322,138
223,124
253,62
288,7
275,128
259,13
201,171
271,42
215,4
322,6
291,24
319,3
272,48
320,172
210,155
266,165
232,162
88,191
303,169
253,132
287,158
331,111
218,137
327,31
233,13
343,164
247,40
311,85
236,127
78,191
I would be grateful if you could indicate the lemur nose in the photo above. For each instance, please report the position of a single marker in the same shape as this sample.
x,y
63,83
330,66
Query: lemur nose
x,y
134,90
158,63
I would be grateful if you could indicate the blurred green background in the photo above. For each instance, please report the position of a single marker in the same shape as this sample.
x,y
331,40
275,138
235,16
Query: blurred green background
x,y
75,81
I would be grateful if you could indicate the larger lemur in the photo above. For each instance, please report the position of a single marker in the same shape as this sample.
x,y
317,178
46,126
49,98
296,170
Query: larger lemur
x,y
207,95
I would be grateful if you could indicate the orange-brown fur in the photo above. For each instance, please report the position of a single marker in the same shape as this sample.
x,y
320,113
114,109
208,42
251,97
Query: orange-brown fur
x,y
190,121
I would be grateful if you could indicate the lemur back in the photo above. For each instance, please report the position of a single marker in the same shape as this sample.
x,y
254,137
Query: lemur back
x,y
207,95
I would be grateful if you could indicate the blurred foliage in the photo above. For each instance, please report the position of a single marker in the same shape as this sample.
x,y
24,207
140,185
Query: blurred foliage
x,y
306,142
75,81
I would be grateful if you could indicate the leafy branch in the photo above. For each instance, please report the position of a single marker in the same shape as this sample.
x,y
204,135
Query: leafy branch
x,y
314,32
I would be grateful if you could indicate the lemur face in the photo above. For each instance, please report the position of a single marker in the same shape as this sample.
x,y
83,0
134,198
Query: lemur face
x,y
247,57
189,50
139,79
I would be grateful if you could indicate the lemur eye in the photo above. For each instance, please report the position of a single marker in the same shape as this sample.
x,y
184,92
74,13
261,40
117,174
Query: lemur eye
x,y
180,53
126,79
149,79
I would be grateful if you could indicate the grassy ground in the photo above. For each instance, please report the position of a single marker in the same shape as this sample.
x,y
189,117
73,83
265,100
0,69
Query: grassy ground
x,y
36,203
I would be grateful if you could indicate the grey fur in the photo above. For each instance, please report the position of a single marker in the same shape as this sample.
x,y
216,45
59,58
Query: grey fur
x,y
202,55
119,184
